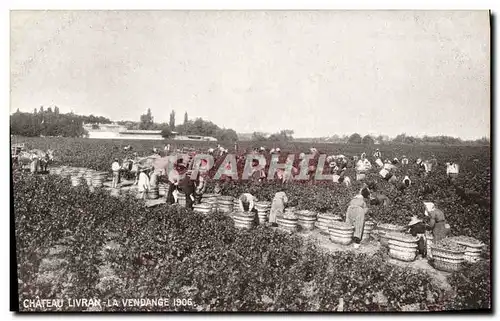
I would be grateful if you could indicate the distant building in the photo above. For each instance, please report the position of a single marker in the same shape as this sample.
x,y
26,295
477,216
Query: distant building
x,y
195,138
113,131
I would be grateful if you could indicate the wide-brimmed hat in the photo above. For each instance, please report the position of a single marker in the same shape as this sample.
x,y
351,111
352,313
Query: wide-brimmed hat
x,y
414,220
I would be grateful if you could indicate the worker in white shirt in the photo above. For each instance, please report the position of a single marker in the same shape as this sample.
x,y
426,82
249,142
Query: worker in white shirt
x,y
387,172
452,170
404,161
115,167
362,167
143,183
247,202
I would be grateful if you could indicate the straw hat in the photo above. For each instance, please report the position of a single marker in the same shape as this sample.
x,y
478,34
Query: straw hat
x,y
414,220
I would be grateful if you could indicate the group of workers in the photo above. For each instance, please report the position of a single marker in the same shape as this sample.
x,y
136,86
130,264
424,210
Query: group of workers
x,y
180,181
356,216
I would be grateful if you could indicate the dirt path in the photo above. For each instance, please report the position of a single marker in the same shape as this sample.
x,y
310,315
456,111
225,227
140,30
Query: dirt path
x,y
371,248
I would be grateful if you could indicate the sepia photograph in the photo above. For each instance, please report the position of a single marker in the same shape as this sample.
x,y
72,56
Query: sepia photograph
x,y
250,161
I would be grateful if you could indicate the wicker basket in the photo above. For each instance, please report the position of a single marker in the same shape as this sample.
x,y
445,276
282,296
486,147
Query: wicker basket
x,y
472,257
263,206
153,193
245,220
162,189
402,249
406,245
472,252
341,226
75,181
243,226
307,220
340,240
446,265
385,229
287,223
446,253
202,208
347,234
181,199
402,256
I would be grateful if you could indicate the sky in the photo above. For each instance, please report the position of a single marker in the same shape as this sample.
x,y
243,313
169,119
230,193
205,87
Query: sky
x,y
318,73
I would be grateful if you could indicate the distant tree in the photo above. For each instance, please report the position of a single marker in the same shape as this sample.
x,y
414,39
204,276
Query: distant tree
x,y
282,136
226,135
380,139
287,134
171,122
355,139
185,118
146,121
95,126
368,140
56,110
34,111
259,137
166,132
41,109
49,110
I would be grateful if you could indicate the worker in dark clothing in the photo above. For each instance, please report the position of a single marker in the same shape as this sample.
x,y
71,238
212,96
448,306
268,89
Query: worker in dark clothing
x,y
417,228
188,187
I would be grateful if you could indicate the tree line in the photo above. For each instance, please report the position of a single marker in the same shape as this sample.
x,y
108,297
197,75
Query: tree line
x,y
50,122
198,127
407,139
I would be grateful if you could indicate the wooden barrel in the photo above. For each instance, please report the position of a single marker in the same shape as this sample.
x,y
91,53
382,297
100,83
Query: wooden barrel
x,y
181,199
473,248
153,193
162,189
225,204
383,229
307,219
206,197
447,260
367,231
98,179
429,243
88,177
203,208
211,199
263,206
287,223
402,246
75,181
341,232
82,171
263,217
324,221
244,220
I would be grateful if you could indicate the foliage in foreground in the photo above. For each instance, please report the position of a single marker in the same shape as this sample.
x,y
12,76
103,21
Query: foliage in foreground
x,y
175,253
